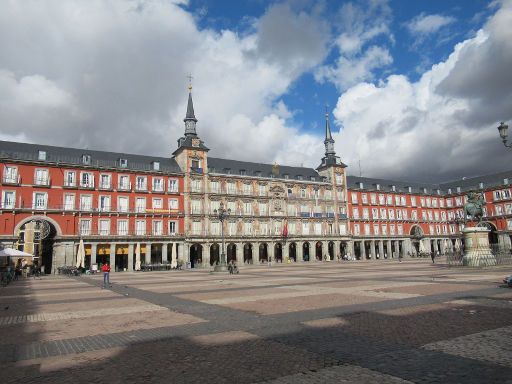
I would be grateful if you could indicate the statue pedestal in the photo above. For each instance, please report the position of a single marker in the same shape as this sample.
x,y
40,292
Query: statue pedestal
x,y
477,252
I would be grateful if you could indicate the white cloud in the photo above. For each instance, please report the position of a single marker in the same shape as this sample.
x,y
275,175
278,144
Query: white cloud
x,y
426,24
358,58
112,75
440,126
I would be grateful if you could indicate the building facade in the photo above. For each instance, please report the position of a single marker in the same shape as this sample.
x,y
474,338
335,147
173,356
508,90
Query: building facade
x,y
167,209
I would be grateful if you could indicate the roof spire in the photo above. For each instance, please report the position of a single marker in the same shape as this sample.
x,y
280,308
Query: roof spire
x,y
190,118
328,142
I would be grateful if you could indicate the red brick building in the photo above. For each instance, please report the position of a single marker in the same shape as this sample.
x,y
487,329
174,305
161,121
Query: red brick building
x,y
51,197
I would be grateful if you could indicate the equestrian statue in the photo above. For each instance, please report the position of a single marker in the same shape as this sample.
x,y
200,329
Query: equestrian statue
x,y
474,206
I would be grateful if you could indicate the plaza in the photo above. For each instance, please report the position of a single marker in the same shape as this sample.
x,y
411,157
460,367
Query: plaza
x,y
369,322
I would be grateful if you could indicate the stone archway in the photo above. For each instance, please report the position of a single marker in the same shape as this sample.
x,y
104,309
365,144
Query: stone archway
x,y
330,250
214,254
231,253
263,252
36,236
292,252
278,253
196,255
248,253
318,251
305,251
493,234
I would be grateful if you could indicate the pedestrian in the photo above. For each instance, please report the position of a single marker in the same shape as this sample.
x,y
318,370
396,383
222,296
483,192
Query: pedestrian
x,y
269,261
400,257
106,275
433,256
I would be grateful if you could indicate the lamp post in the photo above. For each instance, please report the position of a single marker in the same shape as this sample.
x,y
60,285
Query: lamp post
x,y
221,214
503,130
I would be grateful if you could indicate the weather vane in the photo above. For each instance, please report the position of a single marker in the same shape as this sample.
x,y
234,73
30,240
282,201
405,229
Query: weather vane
x,y
189,77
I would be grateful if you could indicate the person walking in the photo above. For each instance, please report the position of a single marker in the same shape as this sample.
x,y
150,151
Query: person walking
x,y
106,275
433,256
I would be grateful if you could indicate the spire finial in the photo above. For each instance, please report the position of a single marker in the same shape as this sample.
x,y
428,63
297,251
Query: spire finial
x,y
326,109
189,77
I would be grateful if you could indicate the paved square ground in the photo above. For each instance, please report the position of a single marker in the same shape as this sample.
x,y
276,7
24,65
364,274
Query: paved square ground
x,y
354,322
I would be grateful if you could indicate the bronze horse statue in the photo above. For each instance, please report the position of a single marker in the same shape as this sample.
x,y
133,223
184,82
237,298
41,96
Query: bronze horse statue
x,y
474,206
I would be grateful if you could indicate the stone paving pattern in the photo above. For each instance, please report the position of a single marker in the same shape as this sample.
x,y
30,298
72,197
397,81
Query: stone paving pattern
x,y
372,322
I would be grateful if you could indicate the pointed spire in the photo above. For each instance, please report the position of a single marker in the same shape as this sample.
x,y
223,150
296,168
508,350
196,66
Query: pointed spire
x,y
328,142
190,118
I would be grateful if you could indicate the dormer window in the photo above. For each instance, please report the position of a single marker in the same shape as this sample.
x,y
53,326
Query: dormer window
x,y
377,187
438,191
211,169
299,177
361,185
458,189
312,178
505,181
156,165
449,191
258,173
123,163
425,190
409,189
242,172
227,171
41,155
286,176
86,159
481,185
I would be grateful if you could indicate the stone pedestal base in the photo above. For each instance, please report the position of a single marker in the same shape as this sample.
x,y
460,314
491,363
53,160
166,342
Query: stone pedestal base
x,y
477,252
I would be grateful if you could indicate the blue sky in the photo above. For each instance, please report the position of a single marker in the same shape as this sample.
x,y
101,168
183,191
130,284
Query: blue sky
x,y
415,89
306,96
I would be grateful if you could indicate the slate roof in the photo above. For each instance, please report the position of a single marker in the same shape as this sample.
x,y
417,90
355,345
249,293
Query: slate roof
x,y
221,166
73,156
466,184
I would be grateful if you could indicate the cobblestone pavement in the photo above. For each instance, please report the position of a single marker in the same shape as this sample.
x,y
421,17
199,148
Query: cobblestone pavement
x,y
374,322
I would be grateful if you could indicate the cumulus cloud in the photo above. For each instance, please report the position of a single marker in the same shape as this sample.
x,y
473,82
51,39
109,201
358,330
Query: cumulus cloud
x,y
111,75
424,24
360,24
444,125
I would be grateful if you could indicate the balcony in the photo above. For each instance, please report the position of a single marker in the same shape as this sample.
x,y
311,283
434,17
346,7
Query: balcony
x,y
141,188
42,181
69,184
11,180
304,214
126,187
105,186
196,170
89,185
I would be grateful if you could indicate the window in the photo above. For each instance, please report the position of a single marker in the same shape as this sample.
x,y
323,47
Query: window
x,y
383,213
403,201
328,195
196,206
156,165
69,202
10,175
367,229
140,227
105,181
343,229
104,227
248,208
232,206
122,227
158,184
123,163
375,229
391,213
392,229
302,192
339,178
373,198
215,228
196,227
318,228
242,172
86,159
364,198
141,183
232,228
196,185
382,199
85,227
85,202
263,209
263,228
400,229
397,200
195,164
305,228
357,231
366,214
158,203
353,196
172,185
41,155
87,180
262,190
157,227
231,187
214,186
41,177
384,229
248,228
375,213
414,215
355,213
172,227
247,189
214,206
389,199
104,204
8,199
140,204
122,204
124,183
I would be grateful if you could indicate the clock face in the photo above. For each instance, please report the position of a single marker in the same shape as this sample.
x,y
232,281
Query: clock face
x,y
196,142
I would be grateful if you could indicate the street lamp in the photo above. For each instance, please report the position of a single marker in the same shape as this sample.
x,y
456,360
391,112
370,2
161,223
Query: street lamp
x,y
221,214
502,129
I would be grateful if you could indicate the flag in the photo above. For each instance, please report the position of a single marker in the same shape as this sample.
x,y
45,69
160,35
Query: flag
x,y
285,228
